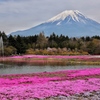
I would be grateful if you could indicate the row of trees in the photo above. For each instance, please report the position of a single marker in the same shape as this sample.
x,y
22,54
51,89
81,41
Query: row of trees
x,y
53,44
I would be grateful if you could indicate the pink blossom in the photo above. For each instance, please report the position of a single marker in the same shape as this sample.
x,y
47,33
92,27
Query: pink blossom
x,y
24,87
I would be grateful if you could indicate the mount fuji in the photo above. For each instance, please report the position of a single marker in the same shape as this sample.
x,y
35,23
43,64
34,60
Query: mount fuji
x,y
70,22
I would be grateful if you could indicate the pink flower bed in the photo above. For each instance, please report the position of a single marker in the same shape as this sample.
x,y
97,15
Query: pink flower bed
x,y
24,87
86,72
54,56
52,60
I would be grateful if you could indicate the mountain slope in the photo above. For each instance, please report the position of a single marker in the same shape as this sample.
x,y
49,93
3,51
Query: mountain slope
x,y
71,23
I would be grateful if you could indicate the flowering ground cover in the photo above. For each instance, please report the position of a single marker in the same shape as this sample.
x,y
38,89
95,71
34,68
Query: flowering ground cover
x,y
56,56
46,85
53,59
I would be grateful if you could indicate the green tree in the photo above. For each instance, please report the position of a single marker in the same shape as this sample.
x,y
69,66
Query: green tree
x,y
10,50
42,41
20,45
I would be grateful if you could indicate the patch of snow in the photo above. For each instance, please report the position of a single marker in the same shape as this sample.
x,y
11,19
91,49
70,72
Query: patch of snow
x,y
59,23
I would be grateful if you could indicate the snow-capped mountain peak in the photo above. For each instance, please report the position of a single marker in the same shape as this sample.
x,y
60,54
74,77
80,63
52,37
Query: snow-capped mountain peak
x,y
70,23
74,14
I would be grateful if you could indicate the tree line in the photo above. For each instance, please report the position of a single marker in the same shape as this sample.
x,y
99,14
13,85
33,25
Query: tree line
x,y
50,45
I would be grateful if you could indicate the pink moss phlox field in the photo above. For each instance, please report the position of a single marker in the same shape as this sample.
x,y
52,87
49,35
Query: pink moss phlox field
x,y
56,56
86,72
24,87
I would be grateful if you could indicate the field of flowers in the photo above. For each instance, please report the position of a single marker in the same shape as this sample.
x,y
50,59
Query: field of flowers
x,y
50,85
52,59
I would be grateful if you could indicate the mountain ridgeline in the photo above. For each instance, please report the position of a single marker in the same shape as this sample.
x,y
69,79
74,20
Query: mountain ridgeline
x,y
70,23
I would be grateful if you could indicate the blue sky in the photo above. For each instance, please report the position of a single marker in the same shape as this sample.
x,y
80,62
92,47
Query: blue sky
x,y
23,14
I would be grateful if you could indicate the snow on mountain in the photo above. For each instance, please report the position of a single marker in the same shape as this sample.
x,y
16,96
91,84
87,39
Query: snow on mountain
x,y
62,16
69,15
69,22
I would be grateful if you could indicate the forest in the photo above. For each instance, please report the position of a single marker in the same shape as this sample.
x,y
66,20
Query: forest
x,y
50,45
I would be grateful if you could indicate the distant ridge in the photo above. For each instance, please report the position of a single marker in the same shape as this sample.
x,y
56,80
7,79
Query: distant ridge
x,y
70,23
